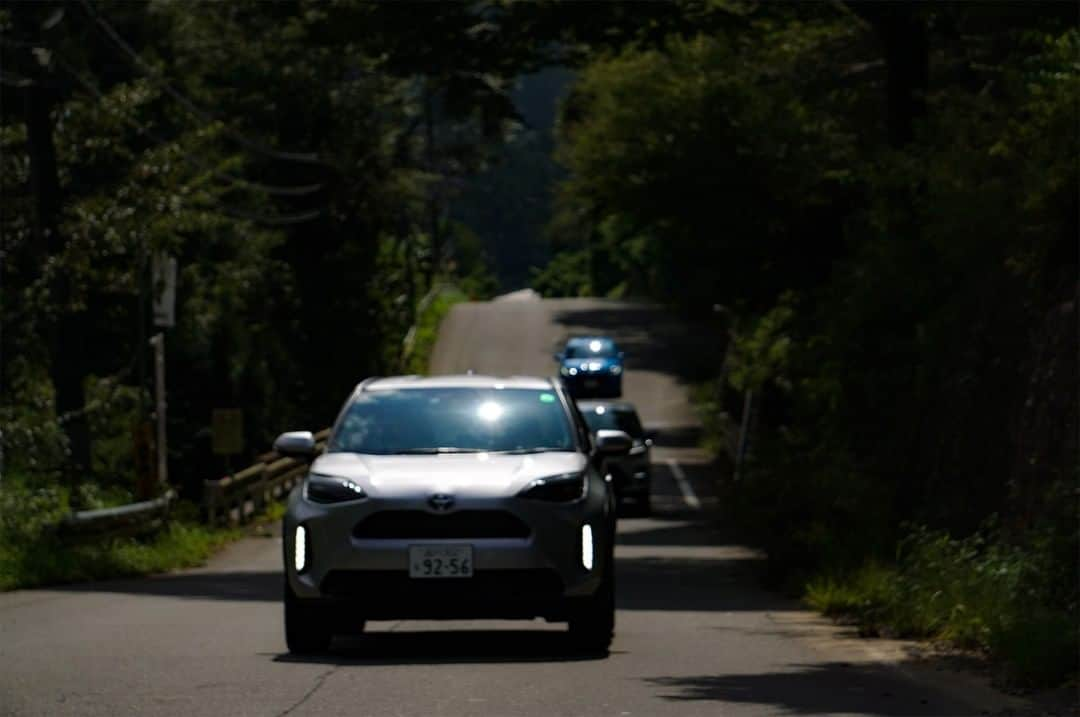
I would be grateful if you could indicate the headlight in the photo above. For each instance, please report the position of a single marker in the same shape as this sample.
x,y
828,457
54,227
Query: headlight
x,y
320,488
557,489
616,370
564,371
572,371
638,449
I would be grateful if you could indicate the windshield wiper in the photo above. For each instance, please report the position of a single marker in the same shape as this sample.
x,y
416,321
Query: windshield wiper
x,y
538,449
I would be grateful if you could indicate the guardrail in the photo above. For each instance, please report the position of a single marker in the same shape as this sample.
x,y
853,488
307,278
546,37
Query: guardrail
x,y
133,519
236,498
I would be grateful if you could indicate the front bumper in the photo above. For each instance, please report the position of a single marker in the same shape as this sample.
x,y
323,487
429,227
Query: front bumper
x,y
518,575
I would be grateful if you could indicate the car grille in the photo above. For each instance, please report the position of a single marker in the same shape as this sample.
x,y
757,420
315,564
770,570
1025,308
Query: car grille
x,y
416,524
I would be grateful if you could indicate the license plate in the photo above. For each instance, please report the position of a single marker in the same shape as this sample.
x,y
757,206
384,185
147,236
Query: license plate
x,y
440,561
591,383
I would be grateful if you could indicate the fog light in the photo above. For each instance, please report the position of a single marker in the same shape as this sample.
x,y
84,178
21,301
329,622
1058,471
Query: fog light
x,y
586,547
300,548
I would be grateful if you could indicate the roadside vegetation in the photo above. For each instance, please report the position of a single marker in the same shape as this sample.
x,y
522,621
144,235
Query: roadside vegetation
x,y
877,204
307,213
421,341
33,554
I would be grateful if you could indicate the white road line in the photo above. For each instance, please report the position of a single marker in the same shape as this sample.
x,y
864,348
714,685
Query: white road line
x,y
684,485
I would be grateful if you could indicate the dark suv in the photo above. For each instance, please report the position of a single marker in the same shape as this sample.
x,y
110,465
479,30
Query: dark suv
x,y
631,473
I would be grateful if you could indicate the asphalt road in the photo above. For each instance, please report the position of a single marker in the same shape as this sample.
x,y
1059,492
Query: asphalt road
x,y
695,635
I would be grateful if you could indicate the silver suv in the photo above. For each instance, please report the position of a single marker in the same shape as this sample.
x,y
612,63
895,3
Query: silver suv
x,y
454,497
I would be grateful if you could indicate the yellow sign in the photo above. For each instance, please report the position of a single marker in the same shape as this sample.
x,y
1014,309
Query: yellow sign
x,y
227,430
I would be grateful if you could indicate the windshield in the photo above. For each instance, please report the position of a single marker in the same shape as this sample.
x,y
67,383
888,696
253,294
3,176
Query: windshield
x,y
453,420
604,417
594,348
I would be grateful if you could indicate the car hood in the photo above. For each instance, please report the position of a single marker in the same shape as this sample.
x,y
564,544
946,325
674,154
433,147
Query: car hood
x,y
462,474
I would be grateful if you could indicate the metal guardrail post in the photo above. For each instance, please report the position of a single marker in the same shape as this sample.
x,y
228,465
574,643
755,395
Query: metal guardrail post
x,y
210,493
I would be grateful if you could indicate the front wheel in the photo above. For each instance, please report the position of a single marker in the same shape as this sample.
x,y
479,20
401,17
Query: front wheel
x,y
592,620
307,631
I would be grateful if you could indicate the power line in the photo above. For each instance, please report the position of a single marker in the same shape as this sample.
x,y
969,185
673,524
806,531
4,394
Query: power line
x,y
250,144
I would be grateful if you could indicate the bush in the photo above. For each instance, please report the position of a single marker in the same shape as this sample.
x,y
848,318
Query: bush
x,y
978,592
418,351
31,553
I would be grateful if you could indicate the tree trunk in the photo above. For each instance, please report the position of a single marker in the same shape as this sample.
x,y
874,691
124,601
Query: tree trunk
x,y
65,334
902,30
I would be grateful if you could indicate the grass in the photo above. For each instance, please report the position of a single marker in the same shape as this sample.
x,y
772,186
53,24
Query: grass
x,y
33,555
973,593
418,353
49,561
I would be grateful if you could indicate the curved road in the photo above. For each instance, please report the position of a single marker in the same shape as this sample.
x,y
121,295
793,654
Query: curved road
x,y
695,635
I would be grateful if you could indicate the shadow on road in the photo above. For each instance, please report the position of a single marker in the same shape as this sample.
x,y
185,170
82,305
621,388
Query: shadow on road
x,y
676,436
449,646
263,586
829,688
644,583
692,585
669,529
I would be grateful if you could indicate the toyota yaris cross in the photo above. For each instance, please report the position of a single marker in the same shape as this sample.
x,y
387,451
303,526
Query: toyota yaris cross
x,y
455,497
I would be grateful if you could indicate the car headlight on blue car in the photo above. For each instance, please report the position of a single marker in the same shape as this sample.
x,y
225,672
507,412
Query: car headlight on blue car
x,y
616,370
319,488
557,489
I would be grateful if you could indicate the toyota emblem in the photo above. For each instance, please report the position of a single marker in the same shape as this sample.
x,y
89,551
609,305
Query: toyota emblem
x,y
441,502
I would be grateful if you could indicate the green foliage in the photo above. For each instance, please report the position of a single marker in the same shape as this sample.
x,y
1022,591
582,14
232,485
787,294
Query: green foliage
x,y
427,328
566,274
978,592
902,307
295,182
32,554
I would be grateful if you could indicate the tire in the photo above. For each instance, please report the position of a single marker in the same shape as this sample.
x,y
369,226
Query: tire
x,y
307,631
592,619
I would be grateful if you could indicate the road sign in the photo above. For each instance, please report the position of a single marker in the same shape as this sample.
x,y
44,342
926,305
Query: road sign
x,y
227,430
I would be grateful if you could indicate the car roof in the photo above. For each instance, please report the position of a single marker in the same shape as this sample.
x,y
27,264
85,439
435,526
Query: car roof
x,y
456,381
625,406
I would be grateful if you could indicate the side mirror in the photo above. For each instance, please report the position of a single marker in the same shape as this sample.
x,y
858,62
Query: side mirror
x,y
622,355
558,358
613,443
296,444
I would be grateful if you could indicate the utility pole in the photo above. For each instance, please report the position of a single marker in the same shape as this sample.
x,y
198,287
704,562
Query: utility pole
x,y
158,342
164,280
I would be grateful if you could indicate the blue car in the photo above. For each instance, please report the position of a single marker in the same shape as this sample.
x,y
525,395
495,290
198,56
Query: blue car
x,y
591,366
